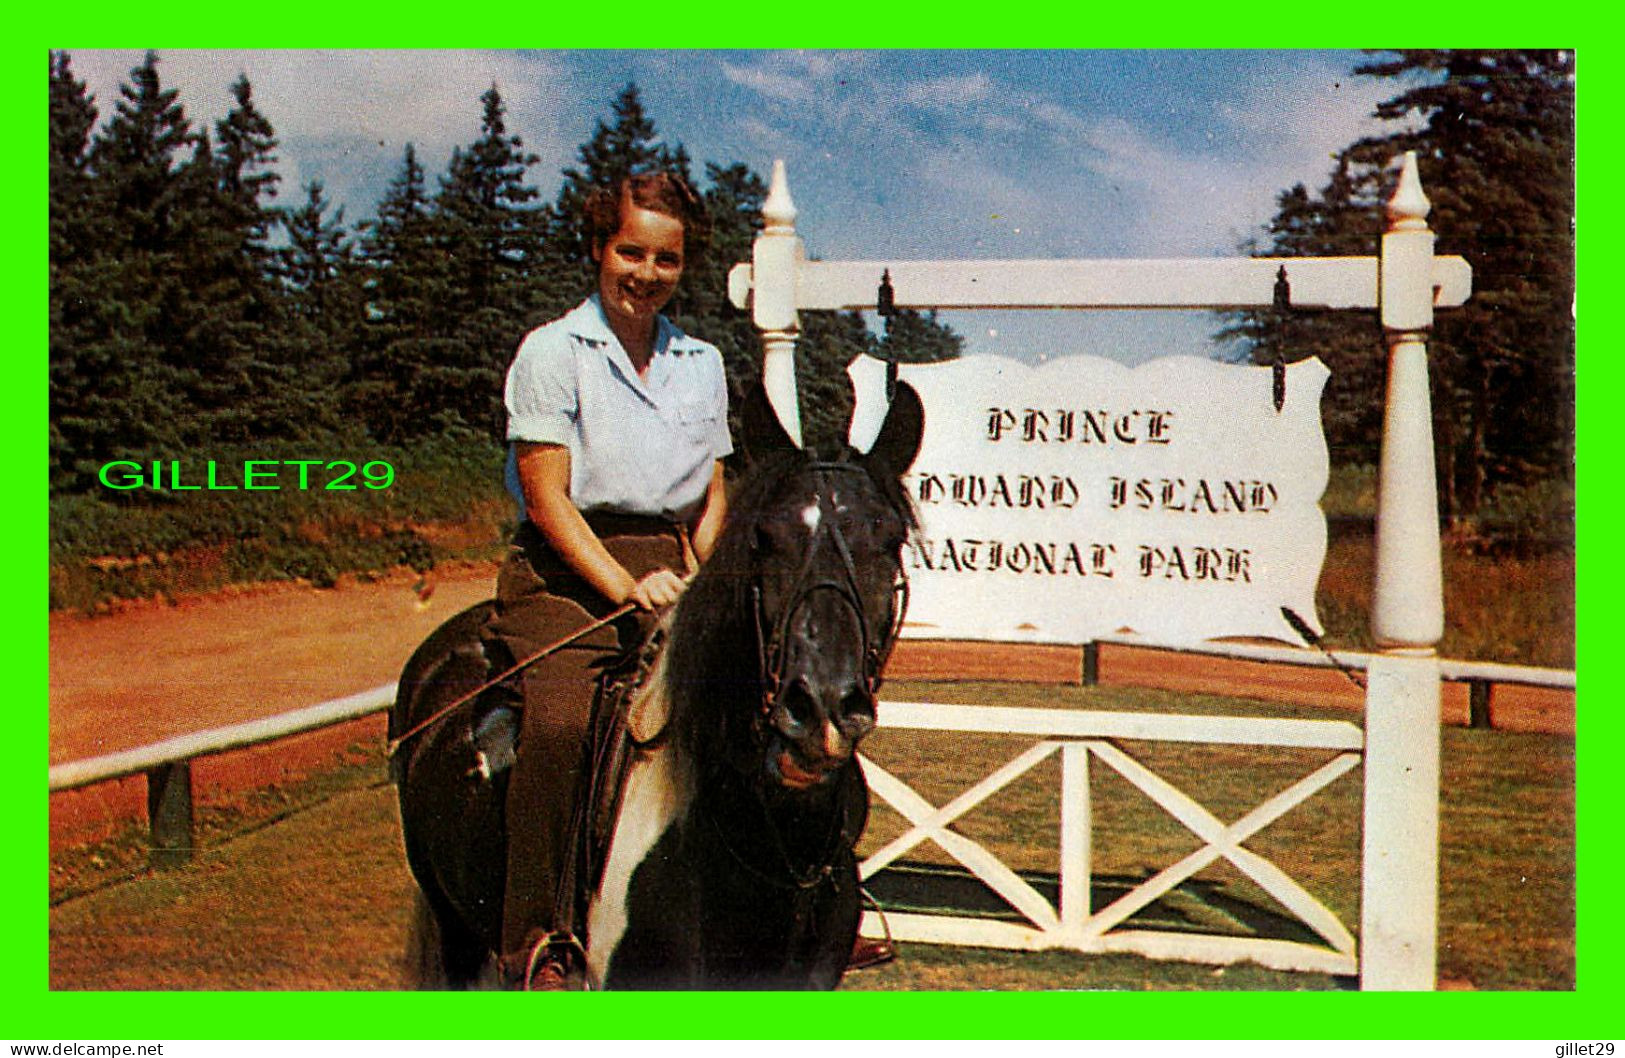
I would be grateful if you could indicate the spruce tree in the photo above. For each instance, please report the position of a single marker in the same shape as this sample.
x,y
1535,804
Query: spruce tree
x,y
251,386
121,387
407,283
321,284
488,229
72,117
73,237
1495,144
483,202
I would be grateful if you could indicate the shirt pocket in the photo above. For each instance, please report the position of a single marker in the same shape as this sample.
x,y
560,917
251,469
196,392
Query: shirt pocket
x,y
697,419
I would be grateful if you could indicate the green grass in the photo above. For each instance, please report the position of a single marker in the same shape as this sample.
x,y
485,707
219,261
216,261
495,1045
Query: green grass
x,y
1507,906
218,819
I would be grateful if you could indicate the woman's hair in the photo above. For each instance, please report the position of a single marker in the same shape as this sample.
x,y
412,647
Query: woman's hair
x,y
660,192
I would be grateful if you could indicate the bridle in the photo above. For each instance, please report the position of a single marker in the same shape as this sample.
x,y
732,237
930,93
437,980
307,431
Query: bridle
x,y
772,657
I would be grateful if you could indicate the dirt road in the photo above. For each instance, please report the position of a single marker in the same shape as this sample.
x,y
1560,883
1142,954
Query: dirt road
x,y
155,671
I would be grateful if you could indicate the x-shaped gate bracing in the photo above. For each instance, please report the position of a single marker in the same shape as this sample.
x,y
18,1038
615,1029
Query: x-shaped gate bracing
x,y
1076,926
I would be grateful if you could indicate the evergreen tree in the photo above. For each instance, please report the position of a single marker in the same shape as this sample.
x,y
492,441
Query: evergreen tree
x,y
72,117
319,271
488,226
136,156
73,236
406,276
485,225
245,158
318,260
251,387
408,284
118,385
1495,146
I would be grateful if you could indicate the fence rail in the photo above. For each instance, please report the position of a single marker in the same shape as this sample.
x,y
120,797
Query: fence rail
x,y
1458,671
167,764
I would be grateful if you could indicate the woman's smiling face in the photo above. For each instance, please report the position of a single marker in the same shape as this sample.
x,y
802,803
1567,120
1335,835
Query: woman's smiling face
x,y
639,265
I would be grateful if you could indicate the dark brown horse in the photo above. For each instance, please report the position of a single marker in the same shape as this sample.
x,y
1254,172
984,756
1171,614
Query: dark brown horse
x,y
731,862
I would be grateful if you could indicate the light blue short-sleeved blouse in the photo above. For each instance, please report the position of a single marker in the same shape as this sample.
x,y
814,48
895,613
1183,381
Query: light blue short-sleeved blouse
x,y
641,446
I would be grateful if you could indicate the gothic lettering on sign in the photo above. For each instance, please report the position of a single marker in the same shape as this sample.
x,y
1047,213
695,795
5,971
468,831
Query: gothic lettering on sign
x,y
1077,497
1048,558
1185,563
1013,491
1091,426
1200,496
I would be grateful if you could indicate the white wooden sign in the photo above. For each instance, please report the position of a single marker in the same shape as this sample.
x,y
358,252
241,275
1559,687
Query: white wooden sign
x,y
1083,498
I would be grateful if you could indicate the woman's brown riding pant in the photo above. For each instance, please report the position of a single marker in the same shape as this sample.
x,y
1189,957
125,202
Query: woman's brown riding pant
x,y
539,602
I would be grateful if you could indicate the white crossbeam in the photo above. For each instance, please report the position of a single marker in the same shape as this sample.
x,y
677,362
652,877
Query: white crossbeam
x,y
1173,727
1200,283
939,819
931,822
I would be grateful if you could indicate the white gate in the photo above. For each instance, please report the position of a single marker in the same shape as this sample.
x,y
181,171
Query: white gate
x,y
1399,742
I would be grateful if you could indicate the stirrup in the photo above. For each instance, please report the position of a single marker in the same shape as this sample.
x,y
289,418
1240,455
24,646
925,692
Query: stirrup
x,y
551,956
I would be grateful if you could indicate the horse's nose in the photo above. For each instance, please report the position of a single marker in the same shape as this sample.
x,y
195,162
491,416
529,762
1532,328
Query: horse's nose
x,y
831,714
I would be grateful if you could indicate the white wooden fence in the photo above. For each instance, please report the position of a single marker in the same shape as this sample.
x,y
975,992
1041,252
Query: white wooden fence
x,y
1080,737
1399,745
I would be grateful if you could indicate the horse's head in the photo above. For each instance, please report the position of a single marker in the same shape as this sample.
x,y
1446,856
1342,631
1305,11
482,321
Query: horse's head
x,y
813,555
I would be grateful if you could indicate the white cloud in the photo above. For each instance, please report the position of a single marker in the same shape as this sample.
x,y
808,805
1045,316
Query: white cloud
x,y
783,86
769,139
947,92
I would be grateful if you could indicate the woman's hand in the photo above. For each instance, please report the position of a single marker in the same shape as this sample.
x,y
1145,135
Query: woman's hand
x,y
658,589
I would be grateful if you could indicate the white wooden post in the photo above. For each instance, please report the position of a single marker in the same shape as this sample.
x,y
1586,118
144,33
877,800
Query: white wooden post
x,y
1399,895
776,260
1077,851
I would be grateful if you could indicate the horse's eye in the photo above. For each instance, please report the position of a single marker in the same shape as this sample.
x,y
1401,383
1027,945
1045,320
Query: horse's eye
x,y
774,535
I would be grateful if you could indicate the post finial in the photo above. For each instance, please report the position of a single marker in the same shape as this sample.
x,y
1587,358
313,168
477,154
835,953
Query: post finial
x,y
778,212
1409,206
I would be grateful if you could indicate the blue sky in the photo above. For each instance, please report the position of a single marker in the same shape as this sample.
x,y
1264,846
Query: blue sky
x,y
995,154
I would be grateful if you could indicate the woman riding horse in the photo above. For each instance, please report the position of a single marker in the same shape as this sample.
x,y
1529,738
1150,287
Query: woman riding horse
x,y
617,425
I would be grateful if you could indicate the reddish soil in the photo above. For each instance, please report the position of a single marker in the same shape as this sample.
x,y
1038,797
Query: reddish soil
x,y
153,671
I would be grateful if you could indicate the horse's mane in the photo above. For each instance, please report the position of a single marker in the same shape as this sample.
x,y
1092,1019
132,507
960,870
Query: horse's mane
x,y
711,659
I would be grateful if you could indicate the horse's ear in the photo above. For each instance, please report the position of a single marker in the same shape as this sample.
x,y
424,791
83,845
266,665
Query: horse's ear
x,y
899,439
759,427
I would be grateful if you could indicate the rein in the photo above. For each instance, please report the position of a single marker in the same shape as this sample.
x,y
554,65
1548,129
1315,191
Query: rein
x,y
552,648
819,873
